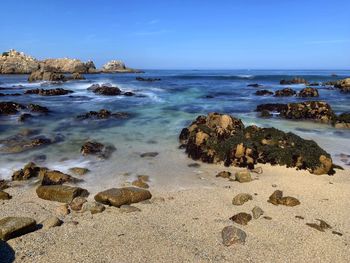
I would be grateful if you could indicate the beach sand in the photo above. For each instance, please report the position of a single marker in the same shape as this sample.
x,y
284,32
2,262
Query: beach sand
x,y
186,225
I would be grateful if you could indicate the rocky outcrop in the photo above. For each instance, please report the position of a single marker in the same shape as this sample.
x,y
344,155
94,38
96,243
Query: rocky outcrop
x,y
20,143
67,65
14,62
308,92
98,149
293,81
48,92
220,138
122,196
263,92
118,66
343,85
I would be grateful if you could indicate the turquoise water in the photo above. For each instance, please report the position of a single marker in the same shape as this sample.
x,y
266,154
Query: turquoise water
x,y
159,111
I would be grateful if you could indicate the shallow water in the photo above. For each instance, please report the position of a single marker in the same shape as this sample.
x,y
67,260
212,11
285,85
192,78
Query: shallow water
x,y
159,112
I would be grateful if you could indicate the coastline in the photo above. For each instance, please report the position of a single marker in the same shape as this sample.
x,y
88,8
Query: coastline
x,y
185,225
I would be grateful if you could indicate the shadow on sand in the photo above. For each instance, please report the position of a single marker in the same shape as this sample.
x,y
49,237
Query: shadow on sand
x,y
7,254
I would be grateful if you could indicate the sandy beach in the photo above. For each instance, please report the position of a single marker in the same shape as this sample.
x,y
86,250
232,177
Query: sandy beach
x,y
185,225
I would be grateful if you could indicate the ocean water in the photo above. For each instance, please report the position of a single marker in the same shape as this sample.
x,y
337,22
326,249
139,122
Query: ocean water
x,y
159,112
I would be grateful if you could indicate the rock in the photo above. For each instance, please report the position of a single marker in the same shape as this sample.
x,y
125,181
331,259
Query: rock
x,y
29,170
337,233
48,92
40,75
129,209
67,65
277,199
265,114
300,217
342,121
293,81
224,174
104,114
267,217
51,222
257,212
274,107
77,203
263,92
79,170
11,227
343,85
14,62
194,165
241,218
286,92
243,176
255,85
149,154
140,183
242,198
147,79
4,195
105,90
37,108
220,138
144,178
233,235
98,149
62,210
3,184
93,207
117,66
308,92
10,108
53,177
77,76
60,193
122,196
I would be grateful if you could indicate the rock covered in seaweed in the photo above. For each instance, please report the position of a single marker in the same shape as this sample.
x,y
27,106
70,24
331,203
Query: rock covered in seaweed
x,y
308,92
293,81
343,85
221,138
286,92
48,92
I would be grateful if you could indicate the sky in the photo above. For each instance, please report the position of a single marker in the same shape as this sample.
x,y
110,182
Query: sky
x,y
160,34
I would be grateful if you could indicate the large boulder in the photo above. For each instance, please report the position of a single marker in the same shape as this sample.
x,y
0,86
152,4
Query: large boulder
x,y
343,85
122,196
11,227
9,107
14,62
60,193
308,92
220,138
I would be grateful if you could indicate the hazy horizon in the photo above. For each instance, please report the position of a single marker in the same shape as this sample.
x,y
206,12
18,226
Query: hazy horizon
x,y
184,35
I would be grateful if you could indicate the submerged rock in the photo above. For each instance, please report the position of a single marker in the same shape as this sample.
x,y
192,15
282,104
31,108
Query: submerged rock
x,y
241,218
149,154
103,114
9,107
48,92
147,79
122,196
219,138
263,92
79,170
21,143
37,108
60,193
11,227
233,235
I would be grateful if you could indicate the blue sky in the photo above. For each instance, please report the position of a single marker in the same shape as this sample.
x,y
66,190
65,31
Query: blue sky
x,y
241,34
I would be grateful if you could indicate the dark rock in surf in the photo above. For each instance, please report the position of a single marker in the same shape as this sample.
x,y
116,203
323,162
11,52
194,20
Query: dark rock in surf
x,y
286,92
293,81
263,92
48,92
308,92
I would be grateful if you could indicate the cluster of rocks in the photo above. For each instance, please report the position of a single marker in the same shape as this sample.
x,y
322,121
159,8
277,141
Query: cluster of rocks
x,y
103,114
343,85
14,62
293,81
49,92
108,90
287,92
308,110
220,138
13,108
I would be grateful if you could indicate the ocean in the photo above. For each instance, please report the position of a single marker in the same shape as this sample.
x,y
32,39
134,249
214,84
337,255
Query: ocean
x,y
159,111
